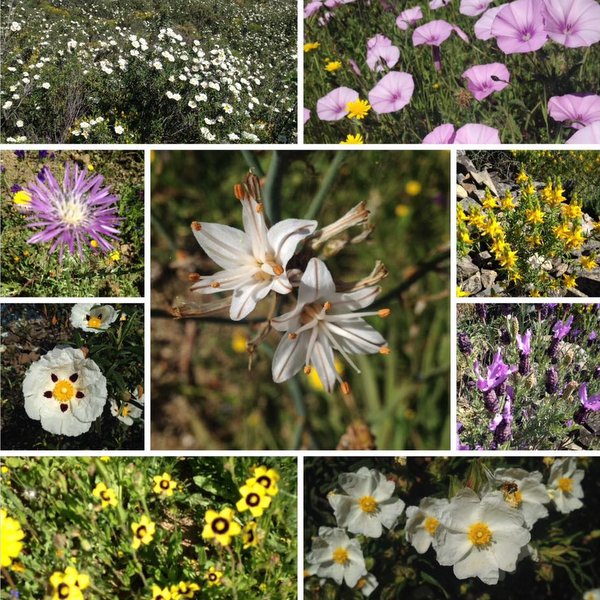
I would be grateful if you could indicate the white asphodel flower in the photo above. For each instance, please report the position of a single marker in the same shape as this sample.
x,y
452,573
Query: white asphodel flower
x,y
65,391
323,321
334,555
93,318
423,523
564,485
524,491
254,261
368,505
127,412
481,537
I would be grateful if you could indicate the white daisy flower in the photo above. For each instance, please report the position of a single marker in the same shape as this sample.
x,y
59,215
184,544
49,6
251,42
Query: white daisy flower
x,y
335,556
127,411
423,522
481,537
65,391
368,505
524,491
93,318
253,260
564,485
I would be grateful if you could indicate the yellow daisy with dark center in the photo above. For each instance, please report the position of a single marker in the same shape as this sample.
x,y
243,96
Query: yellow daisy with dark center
x,y
220,526
254,498
213,576
250,535
164,485
143,532
268,478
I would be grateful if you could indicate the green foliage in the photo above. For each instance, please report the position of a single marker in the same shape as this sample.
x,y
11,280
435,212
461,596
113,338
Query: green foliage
x,y
65,525
542,420
565,544
28,269
32,330
199,367
80,75
519,111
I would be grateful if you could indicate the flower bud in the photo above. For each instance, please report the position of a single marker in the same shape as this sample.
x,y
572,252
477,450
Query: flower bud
x,y
552,380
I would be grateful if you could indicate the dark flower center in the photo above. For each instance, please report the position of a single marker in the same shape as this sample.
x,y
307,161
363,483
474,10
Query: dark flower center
x,y
220,525
141,531
164,484
264,480
212,577
253,499
63,591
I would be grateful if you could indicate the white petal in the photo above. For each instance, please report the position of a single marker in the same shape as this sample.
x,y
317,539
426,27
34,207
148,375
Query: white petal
x,y
289,357
256,228
390,511
342,506
286,235
227,246
351,301
478,563
451,547
229,279
507,546
245,298
363,523
316,282
356,336
281,284
289,321
322,359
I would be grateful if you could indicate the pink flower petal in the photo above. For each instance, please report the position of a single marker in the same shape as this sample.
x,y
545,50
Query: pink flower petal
x,y
572,23
581,109
393,92
332,107
484,80
442,134
474,133
483,27
306,115
409,17
590,134
433,33
472,8
519,27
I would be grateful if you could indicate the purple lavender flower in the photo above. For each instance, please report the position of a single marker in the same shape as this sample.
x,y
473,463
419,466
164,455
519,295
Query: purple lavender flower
x,y
561,328
505,336
20,154
497,373
490,401
464,344
590,403
593,337
552,380
482,311
501,425
597,372
524,343
70,215
43,154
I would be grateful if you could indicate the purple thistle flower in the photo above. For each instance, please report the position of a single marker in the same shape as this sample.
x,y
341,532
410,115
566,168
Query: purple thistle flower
x,y
497,373
552,380
524,343
70,214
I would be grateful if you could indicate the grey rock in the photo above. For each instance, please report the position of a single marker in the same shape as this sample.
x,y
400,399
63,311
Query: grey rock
x,y
488,277
465,268
472,285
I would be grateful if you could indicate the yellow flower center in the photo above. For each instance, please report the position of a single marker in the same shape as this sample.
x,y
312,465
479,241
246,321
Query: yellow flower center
x,y
63,390
340,556
368,504
514,499
94,322
431,524
565,484
480,534
125,410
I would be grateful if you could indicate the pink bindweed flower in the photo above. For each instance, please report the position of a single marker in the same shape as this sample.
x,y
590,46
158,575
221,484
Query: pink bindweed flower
x,y
392,92
483,26
380,52
333,106
581,109
472,8
442,134
324,320
354,66
472,133
484,80
306,115
434,34
312,8
336,3
590,134
519,27
572,23
435,4
409,17
254,260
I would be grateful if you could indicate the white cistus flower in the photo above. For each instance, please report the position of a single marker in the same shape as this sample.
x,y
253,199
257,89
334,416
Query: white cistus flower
x,y
65,391
335,556
564,485
126,412
254,260
323,321
367,585
423,523
368,504
524,491
93,318
481,537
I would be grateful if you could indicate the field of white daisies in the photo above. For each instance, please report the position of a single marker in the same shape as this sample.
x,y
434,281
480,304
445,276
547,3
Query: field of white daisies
x,y
441,528
177,71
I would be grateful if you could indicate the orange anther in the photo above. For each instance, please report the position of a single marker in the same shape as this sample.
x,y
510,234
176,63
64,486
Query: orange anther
x,y
384,312
196,226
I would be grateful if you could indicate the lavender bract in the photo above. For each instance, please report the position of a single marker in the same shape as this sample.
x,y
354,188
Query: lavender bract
x,y
73,214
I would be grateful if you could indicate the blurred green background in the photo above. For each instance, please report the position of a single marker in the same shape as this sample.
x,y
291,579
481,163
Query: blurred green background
x,y
203,394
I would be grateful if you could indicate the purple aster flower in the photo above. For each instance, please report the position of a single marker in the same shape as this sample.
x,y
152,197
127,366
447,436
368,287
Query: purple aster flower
x,y
497,373
43,174
572,23
483,80
561,328
552,380
519,27
524,343
579,109
311,9
70,215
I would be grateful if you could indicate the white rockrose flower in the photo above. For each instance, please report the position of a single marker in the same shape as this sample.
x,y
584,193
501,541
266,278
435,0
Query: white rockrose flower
x,y
368,505
65,391
324,320
423,522
592,594
127,411
335,556
481,537
15,26
564,485
253,260
119,130
93,318
524,491
367,585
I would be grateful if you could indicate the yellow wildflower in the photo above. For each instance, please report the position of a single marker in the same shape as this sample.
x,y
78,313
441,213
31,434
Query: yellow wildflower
x,y
311,46
569,281
522,177
11,535
571,211
588,263
507,202
460,293
413,187
333,65
534,216
22,198
402,210
358,109
353,139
